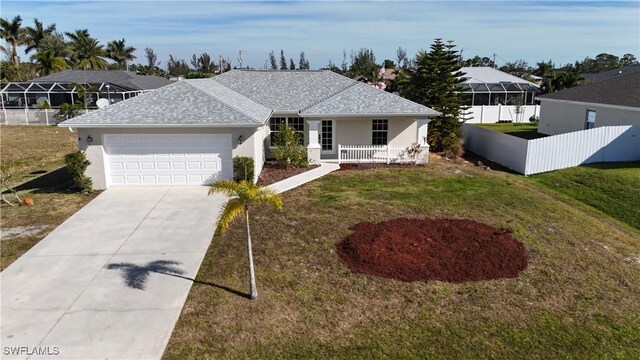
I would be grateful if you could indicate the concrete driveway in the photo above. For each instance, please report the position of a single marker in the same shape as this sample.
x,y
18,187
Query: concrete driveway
x,y
111,281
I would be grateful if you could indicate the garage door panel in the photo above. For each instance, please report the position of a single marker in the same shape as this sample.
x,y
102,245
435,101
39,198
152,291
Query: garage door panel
x,y
185,159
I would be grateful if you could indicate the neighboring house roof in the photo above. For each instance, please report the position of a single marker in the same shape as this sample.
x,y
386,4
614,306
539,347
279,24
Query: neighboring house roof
x,y
604,75
623,90
489,75
249,97
126,79
182,103
363,99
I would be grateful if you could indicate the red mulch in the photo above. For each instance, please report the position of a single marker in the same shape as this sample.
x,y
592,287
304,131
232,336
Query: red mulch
x,y
272,173
432,249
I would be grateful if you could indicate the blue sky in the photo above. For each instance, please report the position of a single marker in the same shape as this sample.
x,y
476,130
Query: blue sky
x,y
563,31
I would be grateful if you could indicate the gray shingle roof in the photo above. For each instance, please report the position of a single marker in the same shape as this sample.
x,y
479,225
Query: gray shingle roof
x,y
284,90
241,97
366,100
126,79
604,75
622,90
181,103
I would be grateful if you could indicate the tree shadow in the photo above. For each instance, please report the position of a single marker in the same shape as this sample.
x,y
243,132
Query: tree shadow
x,y
136,276
55,181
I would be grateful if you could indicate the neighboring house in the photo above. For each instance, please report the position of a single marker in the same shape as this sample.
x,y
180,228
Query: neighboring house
x,y
605,75
614,101
188,132
495,96
19,101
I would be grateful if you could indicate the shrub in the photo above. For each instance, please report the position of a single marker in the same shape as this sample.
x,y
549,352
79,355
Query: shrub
x,y
289,152
77,163
68,111
534,119
243,168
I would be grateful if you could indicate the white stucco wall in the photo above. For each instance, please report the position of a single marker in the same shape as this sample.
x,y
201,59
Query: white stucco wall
x,y
559,117
402,131
251,146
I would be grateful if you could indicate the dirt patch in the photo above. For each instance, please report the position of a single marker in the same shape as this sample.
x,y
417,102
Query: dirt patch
x,y
20,231
432,249
272,173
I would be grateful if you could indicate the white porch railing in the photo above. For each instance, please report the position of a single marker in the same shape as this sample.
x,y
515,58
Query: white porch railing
x,y
367,154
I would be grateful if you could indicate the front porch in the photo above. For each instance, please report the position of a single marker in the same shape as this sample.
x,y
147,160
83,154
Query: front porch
x,y
384,141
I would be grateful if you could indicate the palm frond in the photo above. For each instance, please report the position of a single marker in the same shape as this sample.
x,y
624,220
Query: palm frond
x,y
231,210
226,187
268,196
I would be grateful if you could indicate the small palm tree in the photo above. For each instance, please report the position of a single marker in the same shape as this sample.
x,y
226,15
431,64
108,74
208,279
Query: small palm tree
x,y
119,52
241,194
14,34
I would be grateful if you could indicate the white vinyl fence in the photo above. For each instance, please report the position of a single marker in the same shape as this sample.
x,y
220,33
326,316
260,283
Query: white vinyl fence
x,y
601,144
367,154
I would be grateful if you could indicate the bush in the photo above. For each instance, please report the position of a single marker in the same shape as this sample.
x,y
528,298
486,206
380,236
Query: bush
x,y
534,119
68,111
289,152
77,163
243,168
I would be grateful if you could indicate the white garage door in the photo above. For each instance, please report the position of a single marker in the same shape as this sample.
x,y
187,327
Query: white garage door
x,y
171,159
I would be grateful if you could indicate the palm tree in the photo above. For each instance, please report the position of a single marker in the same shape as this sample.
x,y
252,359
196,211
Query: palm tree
x,y
119,52
242,194
34,35
87,51
48,63
13,33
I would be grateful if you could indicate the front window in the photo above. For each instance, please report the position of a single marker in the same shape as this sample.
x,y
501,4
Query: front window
x,y
296,123
591,119
379,132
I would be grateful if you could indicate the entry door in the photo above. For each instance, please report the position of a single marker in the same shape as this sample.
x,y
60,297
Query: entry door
x,y
328,137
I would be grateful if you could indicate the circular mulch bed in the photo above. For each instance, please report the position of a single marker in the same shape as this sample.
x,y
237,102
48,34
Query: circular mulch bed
x,y
432,249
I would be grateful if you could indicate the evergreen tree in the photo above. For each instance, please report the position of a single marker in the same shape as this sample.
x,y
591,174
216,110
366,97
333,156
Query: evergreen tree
x,y
272,61
304,63
435,82
292,65
283,61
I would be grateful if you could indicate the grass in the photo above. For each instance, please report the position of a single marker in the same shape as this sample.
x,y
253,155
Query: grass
x,y
578,298
613,188
525,131
36,152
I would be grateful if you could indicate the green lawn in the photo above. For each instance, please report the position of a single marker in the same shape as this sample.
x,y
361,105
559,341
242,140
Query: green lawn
x,y
613,188
578,298
525,131
37,153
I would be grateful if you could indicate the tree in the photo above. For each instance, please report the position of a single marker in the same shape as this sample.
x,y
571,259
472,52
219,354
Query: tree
x,y
363,63
283,61
241,196
203,63
152,58
478,61
518,68
435,82
292,65
628,59
87,54
303,64
272,61
558,80
119,52
14,34
36,34
48,62
543,68
401,57
177,66
389,64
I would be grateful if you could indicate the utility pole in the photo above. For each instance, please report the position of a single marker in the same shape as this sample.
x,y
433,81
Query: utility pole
x,y
494,60
220,63
240,58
